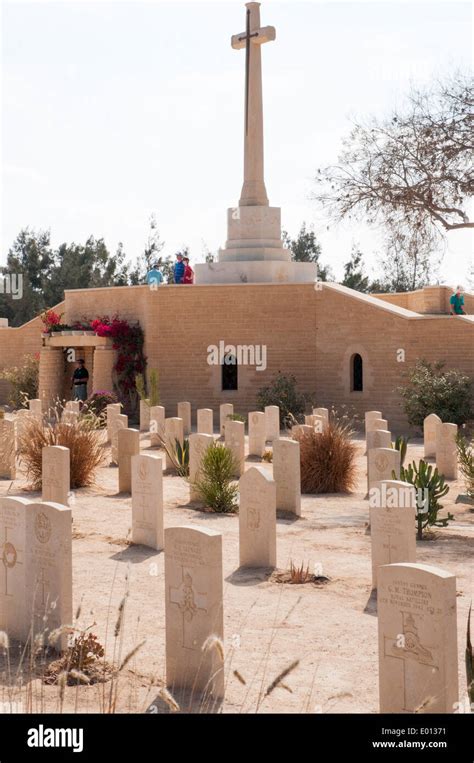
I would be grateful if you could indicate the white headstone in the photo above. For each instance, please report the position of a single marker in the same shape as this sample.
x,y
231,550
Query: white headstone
x,y
111,411
430,430
379,438
446,451
157,424
225,410
235,441
194,610
257,433
287,474
380,464
119,421
174,431
205,421
8,437
369,417
144,416
56,474
48,570
198,444
128,446
184,412
13,618
147,500
322,412
392,508
257,519
272,422
418,671
36,408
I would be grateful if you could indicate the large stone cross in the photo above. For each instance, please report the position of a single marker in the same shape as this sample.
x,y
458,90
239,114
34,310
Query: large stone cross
x,y
253,190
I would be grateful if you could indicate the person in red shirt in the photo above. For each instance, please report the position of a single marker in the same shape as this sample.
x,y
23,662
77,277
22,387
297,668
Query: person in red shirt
x,y
188,271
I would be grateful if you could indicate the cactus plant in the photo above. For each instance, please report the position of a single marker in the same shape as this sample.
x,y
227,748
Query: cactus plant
x,y
424,477
401,444
466,463
154,398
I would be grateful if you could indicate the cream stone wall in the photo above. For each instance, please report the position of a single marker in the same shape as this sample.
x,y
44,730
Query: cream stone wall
x,y
430,299
310,332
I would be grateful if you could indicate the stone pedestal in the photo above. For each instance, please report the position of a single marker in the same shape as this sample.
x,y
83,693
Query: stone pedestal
x,y
51,376
104,359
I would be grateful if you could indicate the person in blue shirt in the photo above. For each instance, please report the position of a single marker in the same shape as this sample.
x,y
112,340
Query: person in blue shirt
x,y
154,277
457,302
179,269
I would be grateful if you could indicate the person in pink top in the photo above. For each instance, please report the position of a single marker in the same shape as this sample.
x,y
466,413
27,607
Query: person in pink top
x,y
188,271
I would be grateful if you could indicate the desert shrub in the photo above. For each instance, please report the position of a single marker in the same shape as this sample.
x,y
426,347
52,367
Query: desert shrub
x,y
179,454
268,456
83,441
282,392
154,396
216,487
98,402
236,417
23,381
346,416
466,463
429,389
327,460
426,478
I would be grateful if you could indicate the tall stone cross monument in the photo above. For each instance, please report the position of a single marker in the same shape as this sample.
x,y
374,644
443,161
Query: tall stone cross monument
x,y
254,251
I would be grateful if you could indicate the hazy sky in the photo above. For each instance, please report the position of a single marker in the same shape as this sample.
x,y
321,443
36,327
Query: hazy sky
x,y
114,110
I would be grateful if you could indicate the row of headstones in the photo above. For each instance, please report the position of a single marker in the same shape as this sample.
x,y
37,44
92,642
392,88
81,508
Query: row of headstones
x,y
12,429
416,604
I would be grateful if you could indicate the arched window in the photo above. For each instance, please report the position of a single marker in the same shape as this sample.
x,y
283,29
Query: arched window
x,y
230,372
357,373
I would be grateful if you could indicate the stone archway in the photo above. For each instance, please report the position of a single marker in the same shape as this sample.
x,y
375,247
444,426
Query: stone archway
x,y
55,370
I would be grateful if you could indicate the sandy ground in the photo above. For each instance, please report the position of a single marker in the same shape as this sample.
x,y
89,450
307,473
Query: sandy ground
x,y
331,630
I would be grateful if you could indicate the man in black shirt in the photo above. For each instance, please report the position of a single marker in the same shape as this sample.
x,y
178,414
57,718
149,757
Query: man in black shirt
x,y
79,381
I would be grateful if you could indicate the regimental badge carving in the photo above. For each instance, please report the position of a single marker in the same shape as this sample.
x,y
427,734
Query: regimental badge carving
x,y
253,518
9,555
381,462
42,527
143,470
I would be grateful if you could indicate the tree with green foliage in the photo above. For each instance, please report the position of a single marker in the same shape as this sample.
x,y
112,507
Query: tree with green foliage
x,y
430,389
354,276
282,391
306,248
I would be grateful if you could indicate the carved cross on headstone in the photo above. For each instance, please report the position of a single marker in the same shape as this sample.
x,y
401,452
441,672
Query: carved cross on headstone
x,y
189,603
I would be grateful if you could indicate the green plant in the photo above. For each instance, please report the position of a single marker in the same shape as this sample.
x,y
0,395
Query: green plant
x,y
466,463
469,660
97,403
236,417
153,378
178,454
327,460
23,381
401,444
140,387
268,456
430,483
449,394
215,485
282,392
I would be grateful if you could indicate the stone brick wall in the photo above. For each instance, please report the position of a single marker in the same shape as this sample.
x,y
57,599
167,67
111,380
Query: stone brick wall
x,y
431,299
309,333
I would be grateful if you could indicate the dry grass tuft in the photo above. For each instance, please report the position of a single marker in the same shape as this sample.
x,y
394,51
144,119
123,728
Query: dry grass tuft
x,y
83,441
327,460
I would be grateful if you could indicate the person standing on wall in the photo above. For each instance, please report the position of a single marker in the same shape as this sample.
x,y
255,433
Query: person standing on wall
x,y
179,269
188,271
